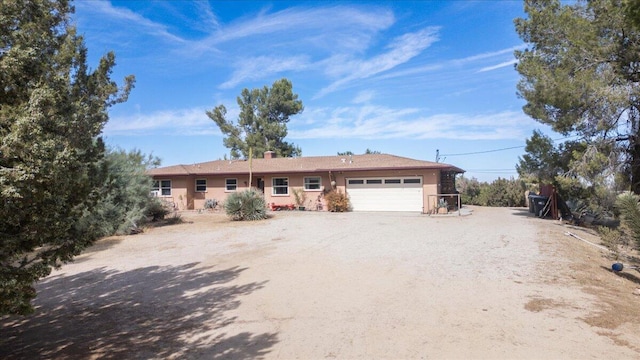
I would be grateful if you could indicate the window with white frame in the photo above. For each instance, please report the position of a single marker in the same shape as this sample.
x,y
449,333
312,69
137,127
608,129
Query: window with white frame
x,y
280,186
201,185
161,187
231,184
312,183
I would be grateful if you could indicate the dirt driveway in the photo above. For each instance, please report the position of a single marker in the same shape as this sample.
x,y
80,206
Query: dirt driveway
x,y
303,285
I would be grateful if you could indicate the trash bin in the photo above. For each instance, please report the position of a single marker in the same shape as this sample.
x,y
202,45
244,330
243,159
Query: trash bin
x,y
538,203
530,201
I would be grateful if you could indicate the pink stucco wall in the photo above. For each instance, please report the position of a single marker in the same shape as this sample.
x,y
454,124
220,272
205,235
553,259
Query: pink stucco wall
x,y
184,195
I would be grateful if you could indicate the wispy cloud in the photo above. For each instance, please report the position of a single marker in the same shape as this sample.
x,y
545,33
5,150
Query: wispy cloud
x,y
487,55
210,20
363,97
400,50
130,18
263,43
364,121
454,63
499,66
377,122
321,22
263,67
192,121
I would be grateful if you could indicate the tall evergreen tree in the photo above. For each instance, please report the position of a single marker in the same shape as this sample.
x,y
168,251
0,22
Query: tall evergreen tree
x,y
52,111
543,161
262,123
580,75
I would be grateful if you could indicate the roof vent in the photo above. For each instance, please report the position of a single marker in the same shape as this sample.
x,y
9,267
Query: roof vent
x,y
343,160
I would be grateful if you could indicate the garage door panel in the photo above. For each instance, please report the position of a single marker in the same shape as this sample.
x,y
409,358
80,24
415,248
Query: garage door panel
x,y
386,197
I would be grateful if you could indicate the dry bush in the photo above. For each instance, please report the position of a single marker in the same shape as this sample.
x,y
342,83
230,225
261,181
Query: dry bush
x,y
337,201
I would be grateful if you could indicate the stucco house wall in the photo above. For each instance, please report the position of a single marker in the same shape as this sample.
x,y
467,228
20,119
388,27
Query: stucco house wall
x,y
296,181
192,185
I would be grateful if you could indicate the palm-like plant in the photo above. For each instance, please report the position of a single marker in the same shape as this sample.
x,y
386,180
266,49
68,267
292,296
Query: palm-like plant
x,y
246,205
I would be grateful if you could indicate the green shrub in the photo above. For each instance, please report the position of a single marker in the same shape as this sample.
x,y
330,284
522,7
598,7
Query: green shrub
x,y
174,219
246,205
500,192
157,210
629,208
337,201
611,238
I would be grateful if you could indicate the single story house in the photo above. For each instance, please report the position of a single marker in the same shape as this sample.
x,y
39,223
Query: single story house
x,y
373,182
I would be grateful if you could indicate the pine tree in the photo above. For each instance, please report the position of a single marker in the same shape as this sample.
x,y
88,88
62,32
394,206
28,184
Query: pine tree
x,y
579,76
262,123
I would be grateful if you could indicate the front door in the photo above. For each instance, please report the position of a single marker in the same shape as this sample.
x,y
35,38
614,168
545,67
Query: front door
x,y
260,182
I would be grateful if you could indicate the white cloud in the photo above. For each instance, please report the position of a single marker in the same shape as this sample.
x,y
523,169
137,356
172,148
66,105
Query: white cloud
x,y
130,18
183,121
209,18
263,67
322,29
401,50
328,20
488,55
377,122
499,66
363,97
444,65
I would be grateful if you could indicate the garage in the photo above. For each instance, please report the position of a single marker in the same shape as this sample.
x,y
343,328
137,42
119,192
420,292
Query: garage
x,y
386,193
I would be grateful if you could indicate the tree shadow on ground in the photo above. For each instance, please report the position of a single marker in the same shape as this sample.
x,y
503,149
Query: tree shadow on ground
x,y
99,245
152,312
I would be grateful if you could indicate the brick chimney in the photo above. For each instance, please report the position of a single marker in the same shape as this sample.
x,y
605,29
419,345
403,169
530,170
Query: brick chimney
x,y
269,154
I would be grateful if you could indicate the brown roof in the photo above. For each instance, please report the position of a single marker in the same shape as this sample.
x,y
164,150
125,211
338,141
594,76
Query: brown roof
x,y
303,165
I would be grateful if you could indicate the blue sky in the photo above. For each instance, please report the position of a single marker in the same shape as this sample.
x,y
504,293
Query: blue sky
x,y
405,78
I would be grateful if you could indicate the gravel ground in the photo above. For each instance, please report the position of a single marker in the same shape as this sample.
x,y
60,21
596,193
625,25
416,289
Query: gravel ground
x,y
308,285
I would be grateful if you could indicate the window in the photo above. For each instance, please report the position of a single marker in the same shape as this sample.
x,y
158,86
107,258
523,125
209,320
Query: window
x,y
356,182
280,186
312,183
412,181
374,181
231,184
201,185
392,181
162,187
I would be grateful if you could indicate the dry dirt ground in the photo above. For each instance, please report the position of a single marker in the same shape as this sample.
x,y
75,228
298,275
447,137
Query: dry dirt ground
x,y
498,284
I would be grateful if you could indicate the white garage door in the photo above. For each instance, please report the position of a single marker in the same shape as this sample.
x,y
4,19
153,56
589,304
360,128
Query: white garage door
x,y
385,194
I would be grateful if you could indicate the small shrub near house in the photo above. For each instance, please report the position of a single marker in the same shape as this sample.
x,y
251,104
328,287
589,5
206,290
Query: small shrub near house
x,y
337,201
157,210
246,205
210,204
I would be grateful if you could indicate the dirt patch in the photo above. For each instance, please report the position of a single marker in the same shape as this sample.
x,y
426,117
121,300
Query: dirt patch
x,y
537,305
618,303
496,284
